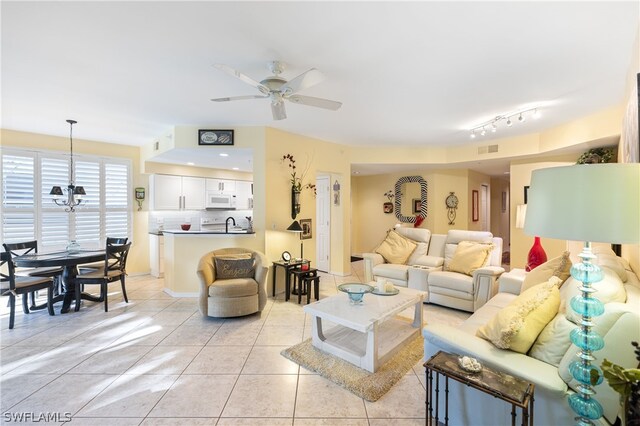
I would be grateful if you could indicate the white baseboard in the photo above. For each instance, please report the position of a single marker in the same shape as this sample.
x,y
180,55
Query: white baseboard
x,y
179,294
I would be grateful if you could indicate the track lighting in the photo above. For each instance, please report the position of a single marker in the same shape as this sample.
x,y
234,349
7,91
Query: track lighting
x,y
493,124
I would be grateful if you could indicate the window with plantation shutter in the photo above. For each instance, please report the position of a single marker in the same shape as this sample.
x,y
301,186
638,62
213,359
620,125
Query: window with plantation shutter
x,y
28,211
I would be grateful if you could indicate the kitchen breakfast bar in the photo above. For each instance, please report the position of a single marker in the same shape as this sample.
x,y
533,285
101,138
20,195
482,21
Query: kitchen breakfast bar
x,y
183,250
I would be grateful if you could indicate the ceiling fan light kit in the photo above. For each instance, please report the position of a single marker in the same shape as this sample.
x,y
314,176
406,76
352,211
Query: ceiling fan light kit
x,y
493,123
277,89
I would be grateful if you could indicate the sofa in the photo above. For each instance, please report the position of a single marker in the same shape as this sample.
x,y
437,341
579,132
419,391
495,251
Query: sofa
x,y
232,296
427,268
546,363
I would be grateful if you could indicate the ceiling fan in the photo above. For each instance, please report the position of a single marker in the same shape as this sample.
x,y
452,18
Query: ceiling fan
x,y
277,89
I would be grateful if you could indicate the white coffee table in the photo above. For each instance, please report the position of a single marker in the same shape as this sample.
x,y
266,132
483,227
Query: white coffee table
x,y
366,335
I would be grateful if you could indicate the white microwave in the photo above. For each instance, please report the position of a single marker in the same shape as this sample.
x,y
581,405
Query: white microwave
x,y
216,200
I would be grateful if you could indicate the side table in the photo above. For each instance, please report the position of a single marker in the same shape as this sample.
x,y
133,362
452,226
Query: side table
x,y
301,278
512,390
287,266
418,275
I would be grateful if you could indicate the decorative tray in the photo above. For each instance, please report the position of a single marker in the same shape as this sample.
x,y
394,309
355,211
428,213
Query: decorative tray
x,y
386,293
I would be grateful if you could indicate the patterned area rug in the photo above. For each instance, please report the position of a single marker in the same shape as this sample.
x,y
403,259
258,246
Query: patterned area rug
x,y
370,386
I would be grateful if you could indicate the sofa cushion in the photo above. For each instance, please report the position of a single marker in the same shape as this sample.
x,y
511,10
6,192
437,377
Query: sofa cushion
x,y
391,270
419,235
396,248
234,268
236,287
450,281
454,237
421,250
613,262
553,341
517,326
469,256
487,311
558,266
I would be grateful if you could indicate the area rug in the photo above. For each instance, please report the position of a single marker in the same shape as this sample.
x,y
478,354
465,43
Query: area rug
x,y
370,386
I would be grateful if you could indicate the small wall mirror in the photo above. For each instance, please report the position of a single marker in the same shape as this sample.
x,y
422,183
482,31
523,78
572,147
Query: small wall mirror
x,y
411,198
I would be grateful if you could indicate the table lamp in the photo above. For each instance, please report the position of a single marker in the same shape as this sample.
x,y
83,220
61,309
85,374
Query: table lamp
x,y
296,227
537,255
590,203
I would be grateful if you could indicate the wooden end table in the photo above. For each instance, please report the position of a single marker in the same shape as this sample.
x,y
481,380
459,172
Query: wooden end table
x,y
513,390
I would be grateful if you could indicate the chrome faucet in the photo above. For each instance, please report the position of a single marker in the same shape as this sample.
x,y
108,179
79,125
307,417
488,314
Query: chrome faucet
x,y
226,224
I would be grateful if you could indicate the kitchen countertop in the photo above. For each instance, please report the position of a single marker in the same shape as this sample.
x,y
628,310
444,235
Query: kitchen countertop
x,y
181,232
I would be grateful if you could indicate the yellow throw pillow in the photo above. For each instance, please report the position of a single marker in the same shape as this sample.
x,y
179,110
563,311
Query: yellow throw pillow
x,y
396,248
469,256
557,267
518,324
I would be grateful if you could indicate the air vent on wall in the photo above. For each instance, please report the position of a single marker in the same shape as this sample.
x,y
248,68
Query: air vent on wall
x,y
487,149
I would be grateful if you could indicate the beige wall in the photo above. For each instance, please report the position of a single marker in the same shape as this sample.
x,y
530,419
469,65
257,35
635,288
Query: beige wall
x,y
499,218
138,260
370,223
322,158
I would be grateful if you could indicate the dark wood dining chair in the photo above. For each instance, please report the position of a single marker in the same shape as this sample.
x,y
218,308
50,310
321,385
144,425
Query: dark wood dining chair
x,y
31,247
97,265
12,286
113,269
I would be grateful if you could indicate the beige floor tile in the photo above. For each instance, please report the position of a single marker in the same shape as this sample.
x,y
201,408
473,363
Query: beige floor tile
x,y
66,394
319,397
236,334
396,422
262,396
147,294
267,360
12,357
58,360
285,318
172,421
16,387
129,396
191,335
112,360
165,360
270,421
171,317
195,392
219,360
147,334
330,422
104,421
279,335
151,305
404,400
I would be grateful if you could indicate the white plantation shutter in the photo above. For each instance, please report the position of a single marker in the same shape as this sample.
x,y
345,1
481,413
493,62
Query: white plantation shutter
x,y
18,201
28,212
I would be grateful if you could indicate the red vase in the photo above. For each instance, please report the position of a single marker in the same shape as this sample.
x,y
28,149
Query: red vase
x,y
536,256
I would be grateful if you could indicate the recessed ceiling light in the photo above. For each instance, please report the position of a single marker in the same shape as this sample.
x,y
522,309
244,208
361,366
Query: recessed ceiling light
x,y
235,168
223,154
190,164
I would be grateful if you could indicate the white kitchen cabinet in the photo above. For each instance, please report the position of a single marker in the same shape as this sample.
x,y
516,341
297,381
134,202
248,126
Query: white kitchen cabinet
x,y
176,192
244,195
156,255
221,186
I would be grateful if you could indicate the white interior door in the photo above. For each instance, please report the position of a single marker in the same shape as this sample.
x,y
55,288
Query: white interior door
x,y
323,223
484,207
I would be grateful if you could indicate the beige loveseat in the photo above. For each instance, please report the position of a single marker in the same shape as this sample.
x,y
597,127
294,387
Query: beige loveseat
x,y
427,268
233,297
546,363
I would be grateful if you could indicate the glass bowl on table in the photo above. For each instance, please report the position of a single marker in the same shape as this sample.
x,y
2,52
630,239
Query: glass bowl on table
x,y
356,291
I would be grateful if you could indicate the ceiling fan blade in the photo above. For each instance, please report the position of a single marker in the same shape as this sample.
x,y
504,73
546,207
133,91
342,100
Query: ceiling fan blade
x,y
238,98
278,111
226,68
304,80
316,102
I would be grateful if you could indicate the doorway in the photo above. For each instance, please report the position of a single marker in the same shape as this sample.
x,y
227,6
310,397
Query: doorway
x,y
323,223
484,207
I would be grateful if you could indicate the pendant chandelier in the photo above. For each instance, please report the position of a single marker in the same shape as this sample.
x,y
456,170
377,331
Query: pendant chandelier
x,y
74,193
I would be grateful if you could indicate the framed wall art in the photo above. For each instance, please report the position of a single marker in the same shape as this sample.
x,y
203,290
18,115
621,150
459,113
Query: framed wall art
x,y
215,137
306,229
475,216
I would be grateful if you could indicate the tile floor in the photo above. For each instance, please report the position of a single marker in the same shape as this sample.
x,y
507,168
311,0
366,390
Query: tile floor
x,y
157,361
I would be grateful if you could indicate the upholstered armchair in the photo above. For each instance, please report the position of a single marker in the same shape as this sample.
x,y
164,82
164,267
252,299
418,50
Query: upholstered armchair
x,y
238,288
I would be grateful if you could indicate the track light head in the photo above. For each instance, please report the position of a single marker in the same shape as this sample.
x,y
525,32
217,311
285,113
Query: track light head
x,y
509,123
473,135
483,132
494,128
521,118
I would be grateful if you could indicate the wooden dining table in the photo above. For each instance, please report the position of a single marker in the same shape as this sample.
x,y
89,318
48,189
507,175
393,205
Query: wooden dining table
x,y
69,261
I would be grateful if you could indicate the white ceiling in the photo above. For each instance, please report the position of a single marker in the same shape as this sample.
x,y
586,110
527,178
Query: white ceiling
x,y
410,73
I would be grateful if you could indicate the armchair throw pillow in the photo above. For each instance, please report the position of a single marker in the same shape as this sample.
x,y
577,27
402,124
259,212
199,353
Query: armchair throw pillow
x,y
469,256
518,324
234,268
558,266
396,248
